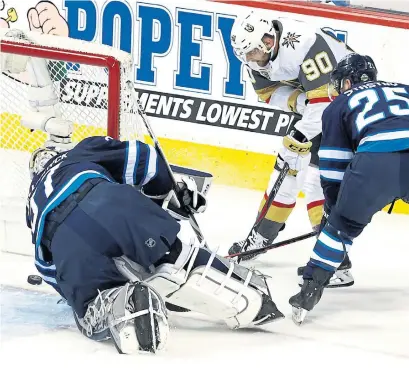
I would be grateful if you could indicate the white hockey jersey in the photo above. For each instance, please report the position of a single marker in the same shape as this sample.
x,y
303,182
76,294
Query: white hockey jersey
x,y
306,57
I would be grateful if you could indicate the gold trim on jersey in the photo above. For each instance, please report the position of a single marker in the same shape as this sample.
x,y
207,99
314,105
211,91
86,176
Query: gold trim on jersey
x,y
276,213
319,92
315,214
265,94
292,100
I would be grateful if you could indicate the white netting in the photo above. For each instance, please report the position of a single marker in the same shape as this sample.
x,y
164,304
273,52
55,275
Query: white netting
x,y
81,88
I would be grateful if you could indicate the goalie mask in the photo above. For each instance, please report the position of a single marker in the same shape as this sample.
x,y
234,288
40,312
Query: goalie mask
x,y
40,157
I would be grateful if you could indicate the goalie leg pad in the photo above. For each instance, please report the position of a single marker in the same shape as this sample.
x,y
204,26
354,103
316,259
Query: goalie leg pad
x,y
212,293
201,281
133,315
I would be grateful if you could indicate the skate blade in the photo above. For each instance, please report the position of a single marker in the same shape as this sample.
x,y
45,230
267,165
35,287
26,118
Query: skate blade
x,y
299,315
341,278
269,319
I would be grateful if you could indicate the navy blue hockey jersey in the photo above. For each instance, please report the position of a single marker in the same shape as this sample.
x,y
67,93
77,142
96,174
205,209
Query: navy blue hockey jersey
x,y
126,162
371,117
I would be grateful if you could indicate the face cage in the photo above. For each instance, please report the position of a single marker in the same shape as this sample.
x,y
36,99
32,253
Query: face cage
x,y
38,160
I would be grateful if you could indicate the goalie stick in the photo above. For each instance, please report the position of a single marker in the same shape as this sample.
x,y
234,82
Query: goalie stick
x,y
158,148
274,245
269,201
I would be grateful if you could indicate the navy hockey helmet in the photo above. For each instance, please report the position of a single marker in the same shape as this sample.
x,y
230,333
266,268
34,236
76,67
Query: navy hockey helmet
x,y
354,67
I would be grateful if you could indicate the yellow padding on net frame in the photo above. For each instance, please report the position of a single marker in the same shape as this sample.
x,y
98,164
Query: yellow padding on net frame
x,y
230,167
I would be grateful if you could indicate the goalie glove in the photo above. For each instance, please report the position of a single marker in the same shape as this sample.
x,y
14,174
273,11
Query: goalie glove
x,y
185,199
295,151
189,197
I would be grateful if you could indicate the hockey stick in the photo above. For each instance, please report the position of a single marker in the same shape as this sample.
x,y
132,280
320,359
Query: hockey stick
x,y
269,201
158,148
274,246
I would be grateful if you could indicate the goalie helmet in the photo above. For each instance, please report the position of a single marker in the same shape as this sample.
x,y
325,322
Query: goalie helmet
x,y
41,156
247,34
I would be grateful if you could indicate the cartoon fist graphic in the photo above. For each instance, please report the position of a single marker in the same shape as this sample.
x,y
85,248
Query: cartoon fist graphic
x,y
46,18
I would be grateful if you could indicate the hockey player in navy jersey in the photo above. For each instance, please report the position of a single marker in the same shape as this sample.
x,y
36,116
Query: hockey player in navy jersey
x,y
111,231
364,166
105,243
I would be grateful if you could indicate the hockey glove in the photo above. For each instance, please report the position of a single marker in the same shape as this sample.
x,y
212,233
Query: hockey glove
x,y
185,200
189,196
295,151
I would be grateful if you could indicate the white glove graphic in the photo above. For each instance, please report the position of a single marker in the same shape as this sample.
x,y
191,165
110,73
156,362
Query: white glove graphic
x,y
46,18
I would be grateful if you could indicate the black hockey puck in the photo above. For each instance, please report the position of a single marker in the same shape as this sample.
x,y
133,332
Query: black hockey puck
x,y
34,279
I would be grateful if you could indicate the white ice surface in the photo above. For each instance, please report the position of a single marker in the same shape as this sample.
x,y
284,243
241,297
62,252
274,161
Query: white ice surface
x,y
366,325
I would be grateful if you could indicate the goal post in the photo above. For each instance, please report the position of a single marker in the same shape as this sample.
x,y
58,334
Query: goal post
x,y
89,87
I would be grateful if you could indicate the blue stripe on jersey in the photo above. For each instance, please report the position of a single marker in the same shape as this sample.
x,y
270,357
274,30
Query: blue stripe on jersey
x,y
126,161
322,265
148,158
132,158
385,141
328,249
48,274
329,179
335,160
70,187
46,269
335,154
328,253
329,174
156,167
332,238
138,156
334,164
151,166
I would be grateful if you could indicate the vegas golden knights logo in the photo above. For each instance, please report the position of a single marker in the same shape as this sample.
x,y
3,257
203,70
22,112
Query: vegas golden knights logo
x,y
249,27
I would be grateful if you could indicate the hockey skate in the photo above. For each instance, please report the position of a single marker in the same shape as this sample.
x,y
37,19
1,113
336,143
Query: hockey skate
x,y
341,277
255,241
310,294
268,312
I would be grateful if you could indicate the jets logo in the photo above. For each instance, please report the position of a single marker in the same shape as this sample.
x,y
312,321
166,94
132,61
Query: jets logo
x,y
290,40
249,27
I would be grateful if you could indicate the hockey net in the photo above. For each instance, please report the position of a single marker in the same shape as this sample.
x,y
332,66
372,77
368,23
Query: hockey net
x,y
90,82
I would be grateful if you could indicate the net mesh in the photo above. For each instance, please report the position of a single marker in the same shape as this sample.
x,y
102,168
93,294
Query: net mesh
x,y
81,89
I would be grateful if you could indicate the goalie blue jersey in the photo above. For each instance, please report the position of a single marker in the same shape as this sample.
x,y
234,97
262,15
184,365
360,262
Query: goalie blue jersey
x,y
125,162
371,117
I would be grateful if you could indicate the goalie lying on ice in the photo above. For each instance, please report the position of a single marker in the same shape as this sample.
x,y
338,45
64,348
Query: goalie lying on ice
x,y
105,243
110,234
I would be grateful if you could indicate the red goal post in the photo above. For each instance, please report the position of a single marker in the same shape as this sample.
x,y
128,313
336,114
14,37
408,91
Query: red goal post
x,y
89,85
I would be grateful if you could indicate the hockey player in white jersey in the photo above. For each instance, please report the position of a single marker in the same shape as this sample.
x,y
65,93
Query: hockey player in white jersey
x,y
289,63
110,235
